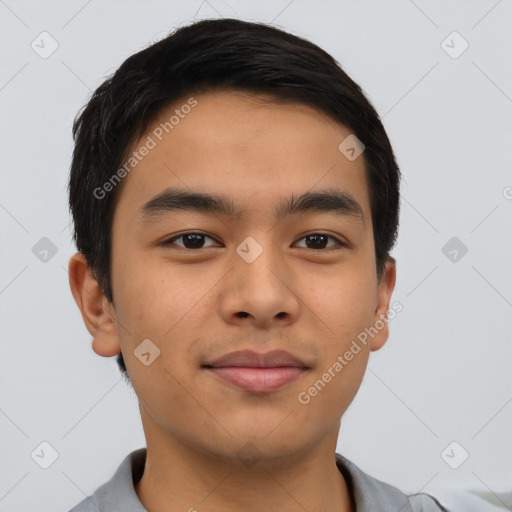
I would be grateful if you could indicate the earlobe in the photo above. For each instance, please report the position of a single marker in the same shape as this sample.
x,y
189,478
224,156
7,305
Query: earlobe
x,y
384,293
94,307
105,344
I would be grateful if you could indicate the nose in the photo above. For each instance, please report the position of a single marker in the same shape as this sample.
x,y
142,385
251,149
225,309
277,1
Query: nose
x,y
260,292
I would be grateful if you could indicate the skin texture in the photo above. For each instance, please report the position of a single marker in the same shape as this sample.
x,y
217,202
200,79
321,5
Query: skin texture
x,y
311,302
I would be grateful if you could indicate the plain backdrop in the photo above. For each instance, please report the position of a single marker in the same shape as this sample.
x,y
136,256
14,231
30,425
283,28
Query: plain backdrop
x,y
445,374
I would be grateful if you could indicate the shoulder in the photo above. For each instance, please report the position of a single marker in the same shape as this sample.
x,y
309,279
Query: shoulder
x,y
89,504
118,494
370,494
424,502
98,501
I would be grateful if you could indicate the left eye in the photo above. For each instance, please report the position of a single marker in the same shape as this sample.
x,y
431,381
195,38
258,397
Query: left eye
x,y
319,239
195,240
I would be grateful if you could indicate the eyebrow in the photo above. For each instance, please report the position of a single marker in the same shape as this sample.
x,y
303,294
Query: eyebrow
x,y
334,201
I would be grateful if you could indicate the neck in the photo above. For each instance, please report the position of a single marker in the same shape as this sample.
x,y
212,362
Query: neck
x,y
178,477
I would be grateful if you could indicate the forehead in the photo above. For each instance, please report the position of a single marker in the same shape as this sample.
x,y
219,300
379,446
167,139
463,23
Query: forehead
x,y
241,146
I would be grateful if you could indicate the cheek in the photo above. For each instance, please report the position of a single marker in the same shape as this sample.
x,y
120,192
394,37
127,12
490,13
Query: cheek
x,y
156,302
344,306
151,298
341,315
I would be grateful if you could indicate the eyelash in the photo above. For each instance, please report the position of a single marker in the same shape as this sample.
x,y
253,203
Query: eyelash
x,y
170,241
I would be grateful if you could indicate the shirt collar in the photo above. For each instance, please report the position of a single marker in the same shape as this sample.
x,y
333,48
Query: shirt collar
x,y
368,494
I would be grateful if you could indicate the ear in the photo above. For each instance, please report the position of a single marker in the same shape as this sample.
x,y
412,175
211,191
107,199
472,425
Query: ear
x,y
97,312
384,292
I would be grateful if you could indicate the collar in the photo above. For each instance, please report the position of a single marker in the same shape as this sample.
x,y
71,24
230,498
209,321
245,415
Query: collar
x,y
368,493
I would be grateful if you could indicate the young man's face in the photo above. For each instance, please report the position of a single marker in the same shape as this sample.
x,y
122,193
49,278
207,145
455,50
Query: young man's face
x,y
254,282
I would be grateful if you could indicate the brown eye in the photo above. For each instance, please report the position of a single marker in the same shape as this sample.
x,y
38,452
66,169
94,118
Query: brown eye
x,y
193,240
319,241
189,240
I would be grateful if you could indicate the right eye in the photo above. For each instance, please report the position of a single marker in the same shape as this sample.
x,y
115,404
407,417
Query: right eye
x,y
191,241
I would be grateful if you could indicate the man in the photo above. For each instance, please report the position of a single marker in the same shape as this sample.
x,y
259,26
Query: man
x,y
235,198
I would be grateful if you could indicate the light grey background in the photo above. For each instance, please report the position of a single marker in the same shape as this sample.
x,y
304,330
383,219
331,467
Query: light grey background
x,y
445,373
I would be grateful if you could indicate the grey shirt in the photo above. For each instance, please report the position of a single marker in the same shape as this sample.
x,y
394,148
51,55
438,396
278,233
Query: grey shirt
x,y
368,493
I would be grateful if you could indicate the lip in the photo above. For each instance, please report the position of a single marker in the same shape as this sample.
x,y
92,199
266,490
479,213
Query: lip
x,y
252,359
257,372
